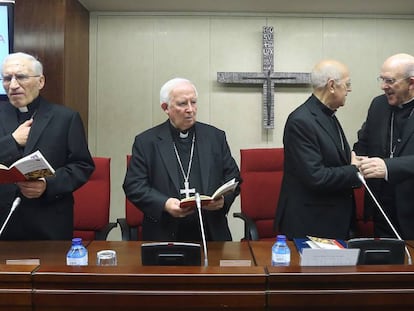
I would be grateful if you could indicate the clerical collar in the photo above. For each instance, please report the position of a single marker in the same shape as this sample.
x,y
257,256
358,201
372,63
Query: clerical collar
x,y
405,105
326,110
31,108
181,134
409,105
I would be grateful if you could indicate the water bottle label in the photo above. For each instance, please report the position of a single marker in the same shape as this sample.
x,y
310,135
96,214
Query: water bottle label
x,y
80,261
280,259
77,256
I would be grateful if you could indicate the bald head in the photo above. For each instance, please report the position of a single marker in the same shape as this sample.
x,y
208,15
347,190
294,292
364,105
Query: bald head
x,y
328,69
397,78
331,83
399,64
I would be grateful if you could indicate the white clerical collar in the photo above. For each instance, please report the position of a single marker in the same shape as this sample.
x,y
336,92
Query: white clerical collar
x,y
23,109
401,105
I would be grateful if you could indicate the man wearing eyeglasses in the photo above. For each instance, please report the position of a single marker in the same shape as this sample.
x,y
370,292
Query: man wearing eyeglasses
x,y
387,139
28,123
319,170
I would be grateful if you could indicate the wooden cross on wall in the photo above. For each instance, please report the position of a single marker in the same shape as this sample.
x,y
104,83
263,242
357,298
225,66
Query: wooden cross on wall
x,y
267,78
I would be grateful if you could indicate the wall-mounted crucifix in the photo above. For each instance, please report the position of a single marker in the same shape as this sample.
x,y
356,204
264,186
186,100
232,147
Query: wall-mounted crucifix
x,y
267,78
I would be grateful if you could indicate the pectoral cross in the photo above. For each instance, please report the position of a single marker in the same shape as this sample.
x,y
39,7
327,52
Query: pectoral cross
x,y
187,189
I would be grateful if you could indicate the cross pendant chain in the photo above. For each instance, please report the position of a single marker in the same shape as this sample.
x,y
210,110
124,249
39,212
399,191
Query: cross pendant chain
x,y
186,189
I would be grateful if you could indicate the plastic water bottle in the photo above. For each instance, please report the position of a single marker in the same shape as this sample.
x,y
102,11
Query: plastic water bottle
x,y
77,254
280,252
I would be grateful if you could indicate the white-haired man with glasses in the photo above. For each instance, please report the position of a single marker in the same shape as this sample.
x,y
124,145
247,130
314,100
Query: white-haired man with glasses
x,y
387,139
29,123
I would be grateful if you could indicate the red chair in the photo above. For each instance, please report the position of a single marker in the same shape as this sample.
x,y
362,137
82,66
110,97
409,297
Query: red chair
x,y
131,225
261,171
92,204
364,227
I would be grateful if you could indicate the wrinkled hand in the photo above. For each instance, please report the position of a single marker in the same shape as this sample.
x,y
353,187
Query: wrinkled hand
x,y
214,205
172,206
32,189
21,134
373,168
356,159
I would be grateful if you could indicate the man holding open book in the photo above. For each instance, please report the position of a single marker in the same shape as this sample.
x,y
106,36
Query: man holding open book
x,y
28,123
173,161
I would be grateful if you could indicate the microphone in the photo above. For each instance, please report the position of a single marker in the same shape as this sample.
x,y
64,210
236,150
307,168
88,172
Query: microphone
x,y
362,179
203,236
15,204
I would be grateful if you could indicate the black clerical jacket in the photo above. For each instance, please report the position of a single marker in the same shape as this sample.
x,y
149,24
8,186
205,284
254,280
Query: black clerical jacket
x,y
374,141
152,177
58,133
316,196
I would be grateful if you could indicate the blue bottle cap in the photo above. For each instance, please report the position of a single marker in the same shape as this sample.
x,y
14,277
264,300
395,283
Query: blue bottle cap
x,y
281,237
77,241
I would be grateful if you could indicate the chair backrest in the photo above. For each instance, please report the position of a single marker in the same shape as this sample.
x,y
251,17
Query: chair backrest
x,y
364,227
261,170
134,216
92,203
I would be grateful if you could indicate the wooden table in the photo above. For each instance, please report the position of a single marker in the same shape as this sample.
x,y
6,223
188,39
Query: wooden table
x,y
51,285
131,286
379,287
16,280
16,287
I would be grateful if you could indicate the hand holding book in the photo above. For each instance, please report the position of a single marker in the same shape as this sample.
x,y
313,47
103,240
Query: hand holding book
x,y
229,186
30,167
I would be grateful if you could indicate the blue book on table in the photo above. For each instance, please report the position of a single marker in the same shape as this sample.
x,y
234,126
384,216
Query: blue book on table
x,y
301,243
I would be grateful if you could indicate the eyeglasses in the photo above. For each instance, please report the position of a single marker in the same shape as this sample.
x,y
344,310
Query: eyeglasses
x,y
348,84
389,81
20,78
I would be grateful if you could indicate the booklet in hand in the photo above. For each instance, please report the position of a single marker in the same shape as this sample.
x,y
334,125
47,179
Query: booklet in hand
x,y
30,167
205,199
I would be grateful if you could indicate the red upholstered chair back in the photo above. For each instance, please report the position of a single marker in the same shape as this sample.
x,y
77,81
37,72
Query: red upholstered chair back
x,y
365,227
131,225
261,170
92,204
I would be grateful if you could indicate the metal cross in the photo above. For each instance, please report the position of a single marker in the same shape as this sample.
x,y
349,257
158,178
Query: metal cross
x,y
187,189
267,78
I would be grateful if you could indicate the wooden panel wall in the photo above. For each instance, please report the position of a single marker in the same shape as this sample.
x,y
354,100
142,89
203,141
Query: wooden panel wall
x,y
57,32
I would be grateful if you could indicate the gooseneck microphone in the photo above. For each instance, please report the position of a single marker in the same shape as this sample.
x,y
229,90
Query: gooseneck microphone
x,y
362,179
15,204
203,236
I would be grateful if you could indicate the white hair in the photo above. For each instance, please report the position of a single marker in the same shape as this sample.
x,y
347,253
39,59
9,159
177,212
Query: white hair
x,y
169,86
321,75
37,65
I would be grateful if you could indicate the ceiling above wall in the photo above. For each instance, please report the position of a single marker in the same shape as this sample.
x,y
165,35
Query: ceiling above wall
x,y
375,7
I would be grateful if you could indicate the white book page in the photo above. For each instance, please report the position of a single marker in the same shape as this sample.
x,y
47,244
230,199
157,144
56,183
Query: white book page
x,y
33,162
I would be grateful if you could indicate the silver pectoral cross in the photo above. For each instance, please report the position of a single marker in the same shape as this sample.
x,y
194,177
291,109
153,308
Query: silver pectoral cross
x,y
187,189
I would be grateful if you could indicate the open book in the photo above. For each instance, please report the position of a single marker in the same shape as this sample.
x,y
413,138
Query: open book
x,y
30,167
205,199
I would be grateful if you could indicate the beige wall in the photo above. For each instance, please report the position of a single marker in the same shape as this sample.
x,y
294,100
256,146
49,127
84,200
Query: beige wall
x,y
133,54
